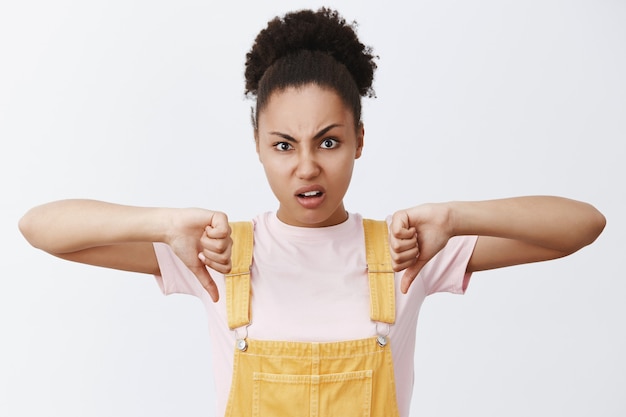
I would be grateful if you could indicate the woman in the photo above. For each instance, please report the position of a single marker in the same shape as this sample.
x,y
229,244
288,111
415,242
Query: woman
x,y
309,285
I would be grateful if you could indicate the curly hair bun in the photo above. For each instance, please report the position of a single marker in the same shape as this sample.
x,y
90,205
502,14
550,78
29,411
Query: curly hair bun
x,y
324,31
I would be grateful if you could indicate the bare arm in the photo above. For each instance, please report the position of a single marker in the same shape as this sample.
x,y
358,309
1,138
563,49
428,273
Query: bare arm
x,y
121,237
511,231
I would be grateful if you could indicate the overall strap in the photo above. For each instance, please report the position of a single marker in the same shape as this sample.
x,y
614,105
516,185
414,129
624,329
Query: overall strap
x,y
380,272
238,279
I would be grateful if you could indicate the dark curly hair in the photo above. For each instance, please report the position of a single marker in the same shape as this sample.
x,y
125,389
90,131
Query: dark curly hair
x,y
310,47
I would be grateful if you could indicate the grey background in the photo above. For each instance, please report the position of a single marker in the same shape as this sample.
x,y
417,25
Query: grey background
x,y
141,102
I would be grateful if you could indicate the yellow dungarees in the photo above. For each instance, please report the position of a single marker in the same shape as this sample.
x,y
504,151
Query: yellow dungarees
x,y
301,379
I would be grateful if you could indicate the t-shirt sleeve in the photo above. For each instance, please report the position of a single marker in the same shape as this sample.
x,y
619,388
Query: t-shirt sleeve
x,y
175,277
446,271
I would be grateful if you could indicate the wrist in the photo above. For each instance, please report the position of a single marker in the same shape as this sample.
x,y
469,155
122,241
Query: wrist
x,y
455,218
167,225
450,219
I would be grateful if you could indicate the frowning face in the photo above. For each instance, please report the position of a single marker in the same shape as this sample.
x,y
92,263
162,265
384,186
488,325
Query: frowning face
x,y
307,143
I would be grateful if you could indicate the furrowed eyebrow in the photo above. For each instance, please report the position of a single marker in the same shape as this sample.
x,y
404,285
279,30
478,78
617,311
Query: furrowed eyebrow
x,y
325,130
284,136
317,135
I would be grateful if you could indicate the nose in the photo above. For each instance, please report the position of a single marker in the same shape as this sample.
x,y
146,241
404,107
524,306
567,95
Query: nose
x,y
308,166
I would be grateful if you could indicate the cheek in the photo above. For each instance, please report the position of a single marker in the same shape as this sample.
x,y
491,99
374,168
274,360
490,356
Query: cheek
x,y
273,166
343,173
275,172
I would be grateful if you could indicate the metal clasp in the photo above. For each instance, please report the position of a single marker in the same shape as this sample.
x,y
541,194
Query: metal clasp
x,y
241,334
242,345
382,338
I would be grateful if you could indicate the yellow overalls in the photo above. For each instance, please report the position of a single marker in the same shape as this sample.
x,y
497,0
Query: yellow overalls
x,y
303,379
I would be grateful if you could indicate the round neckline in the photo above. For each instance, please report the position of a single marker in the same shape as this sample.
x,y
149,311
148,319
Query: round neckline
x,y
311,232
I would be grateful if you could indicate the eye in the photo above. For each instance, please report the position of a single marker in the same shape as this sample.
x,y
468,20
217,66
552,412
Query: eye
x,y
329,143
282,146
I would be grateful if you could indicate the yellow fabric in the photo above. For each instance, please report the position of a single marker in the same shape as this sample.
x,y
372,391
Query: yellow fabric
x,y
299,379
379,269
292,379
238,280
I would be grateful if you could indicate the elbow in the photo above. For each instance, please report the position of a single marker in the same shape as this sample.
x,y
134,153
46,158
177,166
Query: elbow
x,y
25,226
596,225
592,226
27,229
29,225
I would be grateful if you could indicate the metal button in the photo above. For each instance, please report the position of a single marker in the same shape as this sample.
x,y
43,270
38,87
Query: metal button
x,y
382,341
242,345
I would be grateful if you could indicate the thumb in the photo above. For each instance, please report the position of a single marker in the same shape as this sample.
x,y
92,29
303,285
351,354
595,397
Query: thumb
x,y
206,280
410,274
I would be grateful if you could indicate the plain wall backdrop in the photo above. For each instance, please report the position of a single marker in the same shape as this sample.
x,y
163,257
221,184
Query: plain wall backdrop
x,y
141,102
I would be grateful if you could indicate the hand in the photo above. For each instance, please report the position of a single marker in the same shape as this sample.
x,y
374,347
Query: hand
x,y
416,235
202,239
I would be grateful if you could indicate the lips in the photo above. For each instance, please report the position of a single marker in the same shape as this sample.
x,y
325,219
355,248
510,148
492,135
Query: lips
x,y
310,191
311,197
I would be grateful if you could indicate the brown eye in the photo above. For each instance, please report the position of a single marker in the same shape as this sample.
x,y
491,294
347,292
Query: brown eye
x,y
282,146
329,143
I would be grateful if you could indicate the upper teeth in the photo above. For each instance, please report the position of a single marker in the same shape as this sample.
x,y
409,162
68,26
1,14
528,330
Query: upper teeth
x,y
310,193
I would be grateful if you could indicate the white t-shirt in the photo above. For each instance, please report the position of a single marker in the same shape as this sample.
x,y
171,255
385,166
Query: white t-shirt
x,y
311,284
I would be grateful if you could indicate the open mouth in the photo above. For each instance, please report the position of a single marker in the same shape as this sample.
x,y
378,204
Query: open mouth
x,y
311,197
310,194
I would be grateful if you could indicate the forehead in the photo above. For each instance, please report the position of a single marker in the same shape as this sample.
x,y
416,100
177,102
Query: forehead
x,y
304,108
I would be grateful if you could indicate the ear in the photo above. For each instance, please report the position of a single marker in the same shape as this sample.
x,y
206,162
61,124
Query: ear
x,y
360,134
